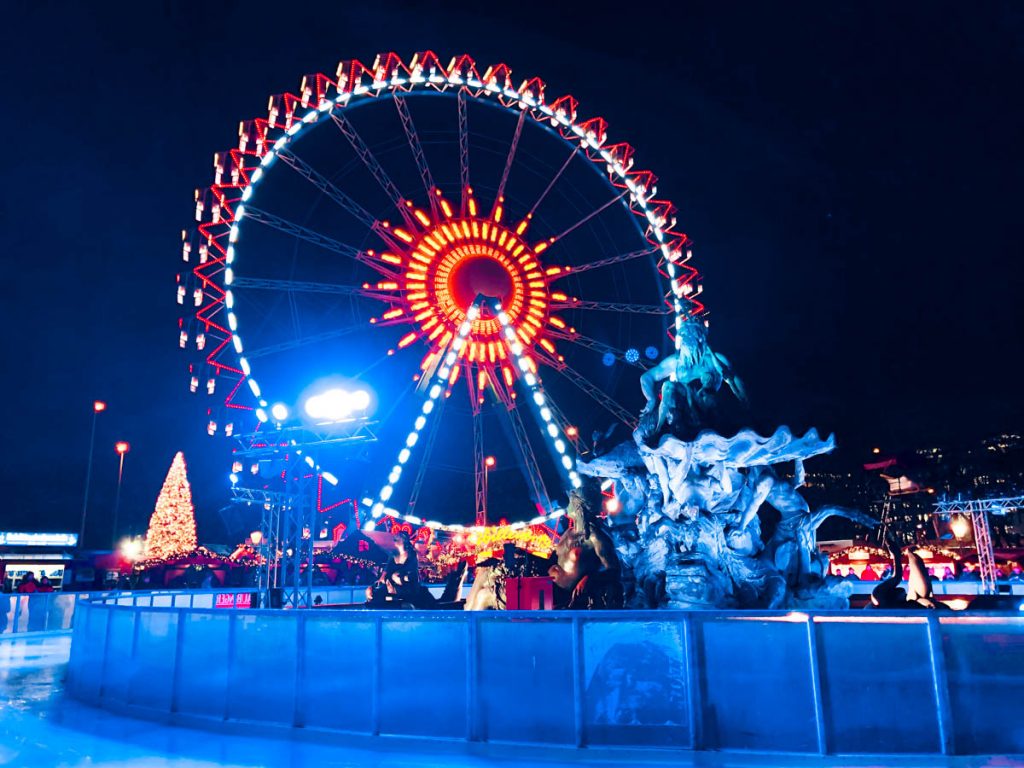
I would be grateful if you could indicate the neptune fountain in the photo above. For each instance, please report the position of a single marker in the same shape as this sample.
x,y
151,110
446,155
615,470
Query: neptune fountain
x,y
693,530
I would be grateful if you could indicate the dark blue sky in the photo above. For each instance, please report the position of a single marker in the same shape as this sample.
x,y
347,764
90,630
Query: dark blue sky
x,y
850,173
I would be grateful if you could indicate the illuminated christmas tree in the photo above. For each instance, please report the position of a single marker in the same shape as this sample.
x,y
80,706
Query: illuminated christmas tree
x,y
172,528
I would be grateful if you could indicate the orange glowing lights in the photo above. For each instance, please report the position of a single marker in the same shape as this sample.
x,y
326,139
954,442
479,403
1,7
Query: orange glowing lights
x,y
448,262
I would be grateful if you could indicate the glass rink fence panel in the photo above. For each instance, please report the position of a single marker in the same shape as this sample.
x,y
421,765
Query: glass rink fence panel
x,y
820,683
55,611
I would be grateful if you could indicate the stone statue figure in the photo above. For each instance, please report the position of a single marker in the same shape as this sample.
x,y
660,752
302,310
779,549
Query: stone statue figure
x,y
690,381
693,537
587,565
889,594
694,501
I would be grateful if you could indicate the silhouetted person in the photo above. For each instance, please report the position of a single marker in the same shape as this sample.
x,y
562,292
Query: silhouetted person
x,y
400,579
28,585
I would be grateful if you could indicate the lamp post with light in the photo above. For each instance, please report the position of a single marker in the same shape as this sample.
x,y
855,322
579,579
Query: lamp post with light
x,y
97,407
489,463
122,448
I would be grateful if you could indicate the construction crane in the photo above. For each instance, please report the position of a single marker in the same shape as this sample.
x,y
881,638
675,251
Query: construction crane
x,y
979,510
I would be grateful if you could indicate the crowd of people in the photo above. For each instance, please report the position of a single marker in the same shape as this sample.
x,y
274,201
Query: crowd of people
x,y
1013,574
40,614
30,585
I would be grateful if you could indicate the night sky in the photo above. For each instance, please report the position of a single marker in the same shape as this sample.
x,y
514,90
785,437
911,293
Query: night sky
x,y
850,173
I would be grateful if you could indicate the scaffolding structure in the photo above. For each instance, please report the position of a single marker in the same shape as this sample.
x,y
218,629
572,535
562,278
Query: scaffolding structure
x,y
979,510
286,466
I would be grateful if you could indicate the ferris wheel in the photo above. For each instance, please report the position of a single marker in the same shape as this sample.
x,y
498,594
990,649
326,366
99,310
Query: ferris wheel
x,y
467,258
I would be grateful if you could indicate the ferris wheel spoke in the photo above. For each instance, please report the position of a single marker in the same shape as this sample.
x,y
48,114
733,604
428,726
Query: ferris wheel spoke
x,y
297,286
372,164
321,182
530,464
606,306
509,159
595,392
315,338
463,150
417,151
304,233
610,261
553,181
597,346
571,228
563,422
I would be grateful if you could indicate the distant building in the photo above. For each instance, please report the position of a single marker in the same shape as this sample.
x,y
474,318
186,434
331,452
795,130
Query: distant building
x,y
910,482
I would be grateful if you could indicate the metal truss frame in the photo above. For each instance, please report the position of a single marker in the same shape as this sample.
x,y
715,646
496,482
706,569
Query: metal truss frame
x,y
979,510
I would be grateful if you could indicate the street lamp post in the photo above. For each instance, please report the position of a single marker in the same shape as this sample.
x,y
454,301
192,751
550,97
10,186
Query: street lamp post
x,y
489,462
97,406
122,448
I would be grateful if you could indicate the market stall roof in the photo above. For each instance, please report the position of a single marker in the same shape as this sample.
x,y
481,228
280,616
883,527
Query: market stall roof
x,y
860,554
199,556
868,554
1005,556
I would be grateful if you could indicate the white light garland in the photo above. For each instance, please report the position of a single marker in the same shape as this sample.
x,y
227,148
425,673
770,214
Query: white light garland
x,y
533,384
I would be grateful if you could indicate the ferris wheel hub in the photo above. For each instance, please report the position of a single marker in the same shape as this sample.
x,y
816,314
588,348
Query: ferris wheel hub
x,y
481,273
449,260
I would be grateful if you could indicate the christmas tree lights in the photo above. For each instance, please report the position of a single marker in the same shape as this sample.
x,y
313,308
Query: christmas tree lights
x,y
172,527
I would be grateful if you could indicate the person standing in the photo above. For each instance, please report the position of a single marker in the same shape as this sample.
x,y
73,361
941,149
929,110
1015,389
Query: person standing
x,y
28,584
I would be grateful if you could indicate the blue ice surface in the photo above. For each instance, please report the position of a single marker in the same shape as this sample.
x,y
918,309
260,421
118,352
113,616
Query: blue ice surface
x,y
40,728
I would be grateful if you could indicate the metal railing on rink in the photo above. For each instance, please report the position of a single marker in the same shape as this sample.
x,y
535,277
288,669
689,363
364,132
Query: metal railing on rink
x,y
837,683
55,611
39,612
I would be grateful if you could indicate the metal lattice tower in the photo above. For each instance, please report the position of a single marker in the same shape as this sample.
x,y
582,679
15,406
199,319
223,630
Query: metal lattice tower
x,y
979,510
288,502
479,486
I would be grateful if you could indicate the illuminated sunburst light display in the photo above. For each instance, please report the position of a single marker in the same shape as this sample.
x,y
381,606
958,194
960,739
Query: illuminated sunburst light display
x,y
438,268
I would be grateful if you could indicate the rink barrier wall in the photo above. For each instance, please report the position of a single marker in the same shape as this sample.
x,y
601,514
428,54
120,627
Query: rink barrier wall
x,y
55,611
821,683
